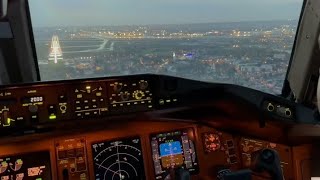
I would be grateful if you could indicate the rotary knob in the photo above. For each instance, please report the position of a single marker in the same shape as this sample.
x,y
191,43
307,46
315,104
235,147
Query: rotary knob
x,y
143,85
124,96
117,87
138,94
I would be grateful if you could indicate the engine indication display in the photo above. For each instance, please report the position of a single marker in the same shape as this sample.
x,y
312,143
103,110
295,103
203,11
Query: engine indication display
x,y
26,166
172,150
121,159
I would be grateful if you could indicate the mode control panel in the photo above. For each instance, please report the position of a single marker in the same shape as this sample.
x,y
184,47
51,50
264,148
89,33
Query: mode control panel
x,y
90,100
126,94
48,103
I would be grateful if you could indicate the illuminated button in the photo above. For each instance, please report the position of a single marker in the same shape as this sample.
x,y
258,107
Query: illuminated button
x,y
78,108
52,109
175,100
88,87
161,102
86,107
101,100
128,104
79,114
52,117
121,104
104,109
135,103
76,90
63,109
94,106
85,101
100,88
87,113
149,101
77,102
20,118
95,112
114,105
168,100
98,94
62,99
79,96
34,117
150,106
94,100
7,121
142,102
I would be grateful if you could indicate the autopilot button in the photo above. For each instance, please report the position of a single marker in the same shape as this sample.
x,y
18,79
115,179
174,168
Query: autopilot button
x,y
62,99
34,117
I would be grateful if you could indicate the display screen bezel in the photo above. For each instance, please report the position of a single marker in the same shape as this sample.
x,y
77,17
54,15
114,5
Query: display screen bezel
x,y
34,154
192,138
120,139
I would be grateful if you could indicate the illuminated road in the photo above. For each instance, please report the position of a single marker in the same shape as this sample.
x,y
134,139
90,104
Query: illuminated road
x,y
100,48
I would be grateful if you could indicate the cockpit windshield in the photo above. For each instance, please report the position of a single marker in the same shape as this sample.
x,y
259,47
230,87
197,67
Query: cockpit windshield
x,y
247,42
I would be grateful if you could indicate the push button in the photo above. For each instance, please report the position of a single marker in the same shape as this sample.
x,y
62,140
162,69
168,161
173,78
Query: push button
x,y
62,99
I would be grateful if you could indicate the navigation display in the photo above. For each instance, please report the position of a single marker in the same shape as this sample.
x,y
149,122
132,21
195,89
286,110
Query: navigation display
x,y
120,159
173,150
30,166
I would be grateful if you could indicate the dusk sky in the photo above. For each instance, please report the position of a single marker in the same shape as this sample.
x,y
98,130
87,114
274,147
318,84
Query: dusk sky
x,y
140,12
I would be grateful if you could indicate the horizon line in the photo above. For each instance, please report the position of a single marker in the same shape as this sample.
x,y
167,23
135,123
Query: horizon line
x,y
217,22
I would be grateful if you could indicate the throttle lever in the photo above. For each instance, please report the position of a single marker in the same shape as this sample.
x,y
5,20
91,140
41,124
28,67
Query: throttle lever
x,y
268,160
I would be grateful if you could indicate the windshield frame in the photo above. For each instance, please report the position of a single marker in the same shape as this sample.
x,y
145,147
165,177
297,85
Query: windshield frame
x,y
32,42
286,89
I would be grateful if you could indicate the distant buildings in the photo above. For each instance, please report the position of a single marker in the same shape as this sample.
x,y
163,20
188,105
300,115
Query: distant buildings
x,y
254,67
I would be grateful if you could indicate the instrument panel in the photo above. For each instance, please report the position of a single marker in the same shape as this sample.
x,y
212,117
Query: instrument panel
x,y
144,155
59,115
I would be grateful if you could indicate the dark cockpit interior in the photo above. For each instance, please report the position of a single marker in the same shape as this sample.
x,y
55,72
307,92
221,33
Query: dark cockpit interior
x,y
149,125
